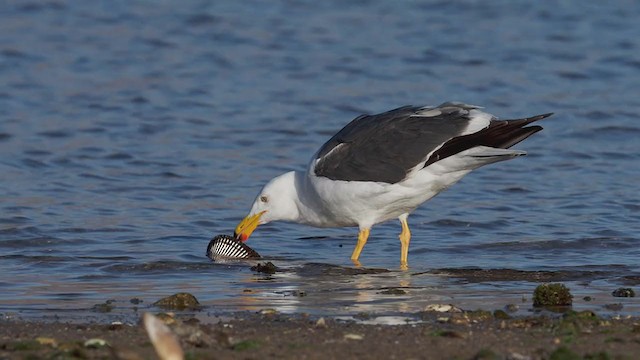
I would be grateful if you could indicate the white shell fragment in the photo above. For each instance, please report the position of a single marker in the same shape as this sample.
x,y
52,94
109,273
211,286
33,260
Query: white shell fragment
x,y
448,308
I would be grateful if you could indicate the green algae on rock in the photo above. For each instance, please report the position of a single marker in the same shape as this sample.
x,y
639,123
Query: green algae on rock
x,y
479,315
179,301
393,291
555,294
105,307
501,315
267,268
623,292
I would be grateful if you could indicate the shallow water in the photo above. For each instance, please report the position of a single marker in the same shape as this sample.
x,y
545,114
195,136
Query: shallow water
x,y
133,132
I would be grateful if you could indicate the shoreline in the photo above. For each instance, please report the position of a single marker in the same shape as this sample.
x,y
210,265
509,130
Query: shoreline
x,y
269,334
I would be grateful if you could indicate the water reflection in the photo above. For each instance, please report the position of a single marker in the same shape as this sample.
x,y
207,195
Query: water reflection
x,y
325,289
331,289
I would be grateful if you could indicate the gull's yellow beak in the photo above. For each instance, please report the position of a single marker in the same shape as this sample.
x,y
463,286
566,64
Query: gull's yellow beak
x,y
247,226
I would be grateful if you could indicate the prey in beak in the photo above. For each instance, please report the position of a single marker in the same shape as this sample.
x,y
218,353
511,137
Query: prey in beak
x,y
247,226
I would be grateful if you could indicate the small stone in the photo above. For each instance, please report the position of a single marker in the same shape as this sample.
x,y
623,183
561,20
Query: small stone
x,y
22,345
299,293
479,315
191,321
267,268
563,353
192,335
74,349
614,307
501,314
179,301
136,301
516,356
363,316
103,308
116,325
268,312
125,354
393,291
47,341
623,292
246,345
168,318
587,298
511,308
353,337
486,354
459,319
586,314
321,323
222,338
449,333
443,308
95,343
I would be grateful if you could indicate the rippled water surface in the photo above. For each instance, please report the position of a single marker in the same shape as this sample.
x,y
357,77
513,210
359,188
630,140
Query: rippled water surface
x,y
131,132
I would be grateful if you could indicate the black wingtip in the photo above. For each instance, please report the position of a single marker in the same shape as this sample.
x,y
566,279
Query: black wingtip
x,y
537,117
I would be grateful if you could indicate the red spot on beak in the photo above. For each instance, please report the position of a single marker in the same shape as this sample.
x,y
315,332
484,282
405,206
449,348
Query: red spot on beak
x,y
243,237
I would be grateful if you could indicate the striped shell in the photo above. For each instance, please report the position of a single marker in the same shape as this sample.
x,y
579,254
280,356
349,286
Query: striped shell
x,y
225,246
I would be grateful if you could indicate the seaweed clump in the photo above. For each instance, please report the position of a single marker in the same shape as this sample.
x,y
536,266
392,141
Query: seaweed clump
x,y
267,268
552,295
623,292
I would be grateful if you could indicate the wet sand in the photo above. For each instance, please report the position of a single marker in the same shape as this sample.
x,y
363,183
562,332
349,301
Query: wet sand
x,y
466,335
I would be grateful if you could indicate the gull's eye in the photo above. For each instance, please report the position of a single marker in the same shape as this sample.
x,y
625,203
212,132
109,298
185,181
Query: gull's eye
x,y
264,199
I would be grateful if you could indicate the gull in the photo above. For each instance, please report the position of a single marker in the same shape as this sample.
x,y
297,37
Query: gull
x,y
382,167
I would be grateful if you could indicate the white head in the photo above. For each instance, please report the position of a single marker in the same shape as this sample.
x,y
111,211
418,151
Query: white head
x,y
276,201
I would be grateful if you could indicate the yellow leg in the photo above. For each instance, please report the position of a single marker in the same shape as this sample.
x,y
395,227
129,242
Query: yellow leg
x,y
363,235
405,238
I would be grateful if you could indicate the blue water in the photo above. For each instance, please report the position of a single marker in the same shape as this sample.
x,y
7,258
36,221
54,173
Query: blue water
x,y
131,132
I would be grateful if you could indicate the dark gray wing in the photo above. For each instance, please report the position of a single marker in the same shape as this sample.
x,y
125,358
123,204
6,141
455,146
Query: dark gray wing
x,y
385,147
501,134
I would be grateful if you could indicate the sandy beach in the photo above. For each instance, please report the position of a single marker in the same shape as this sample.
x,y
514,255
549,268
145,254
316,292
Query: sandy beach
x,y
268,334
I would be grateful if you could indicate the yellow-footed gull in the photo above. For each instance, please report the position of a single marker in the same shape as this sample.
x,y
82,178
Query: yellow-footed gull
x,y
381,167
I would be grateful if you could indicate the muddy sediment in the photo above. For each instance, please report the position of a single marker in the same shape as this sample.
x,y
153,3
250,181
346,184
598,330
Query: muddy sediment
x,y
272,335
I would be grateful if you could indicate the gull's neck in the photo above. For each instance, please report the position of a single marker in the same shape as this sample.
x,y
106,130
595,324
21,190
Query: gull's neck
x,y
306,199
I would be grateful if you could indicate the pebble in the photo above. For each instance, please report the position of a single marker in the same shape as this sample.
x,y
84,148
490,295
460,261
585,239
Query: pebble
x,y
95,343
47,341
443,308
353,336
623,292
167,318
614,307
179,301
321,323
516,356
268,312
511,308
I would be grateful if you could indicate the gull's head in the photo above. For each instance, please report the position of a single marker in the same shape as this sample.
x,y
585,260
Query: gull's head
x,y
276,201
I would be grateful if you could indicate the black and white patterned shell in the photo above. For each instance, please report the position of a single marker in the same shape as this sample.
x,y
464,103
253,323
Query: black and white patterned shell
x,y
227,247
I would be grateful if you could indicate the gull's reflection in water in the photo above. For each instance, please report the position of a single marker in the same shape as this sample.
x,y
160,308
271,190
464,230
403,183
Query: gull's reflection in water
x,y
334,290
